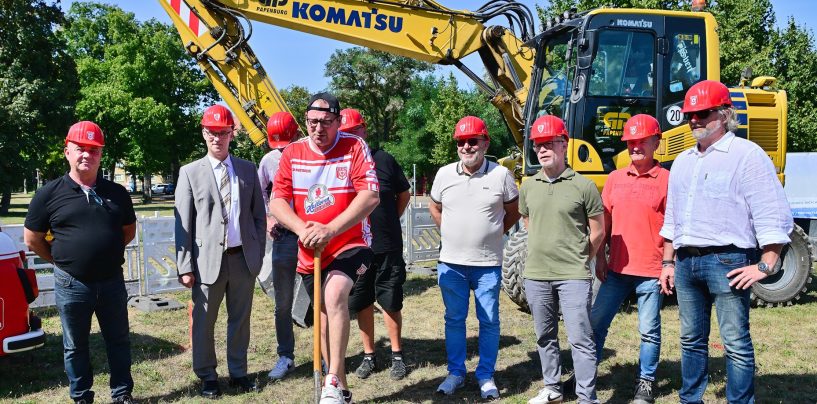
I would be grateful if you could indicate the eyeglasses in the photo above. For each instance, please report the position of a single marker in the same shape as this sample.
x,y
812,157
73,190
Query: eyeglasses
x,y
700,115
547,145
212,134
91,195
471,141
323,122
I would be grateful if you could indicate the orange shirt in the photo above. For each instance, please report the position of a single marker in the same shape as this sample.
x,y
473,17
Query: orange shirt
x,y
635,204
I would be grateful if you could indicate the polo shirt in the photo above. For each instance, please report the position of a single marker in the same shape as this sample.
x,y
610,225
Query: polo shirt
x,y
88,240
558,231
473,211
635,204
386,233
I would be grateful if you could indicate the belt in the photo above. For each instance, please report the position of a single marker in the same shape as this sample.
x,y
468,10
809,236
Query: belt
x,y
233,250
701,251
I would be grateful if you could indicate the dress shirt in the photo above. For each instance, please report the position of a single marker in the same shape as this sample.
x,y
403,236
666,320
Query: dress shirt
x,y
727,194
233,231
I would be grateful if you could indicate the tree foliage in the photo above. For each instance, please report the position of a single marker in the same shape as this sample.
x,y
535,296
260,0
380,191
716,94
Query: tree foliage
x,y
748,38
38,89
374,82
139,85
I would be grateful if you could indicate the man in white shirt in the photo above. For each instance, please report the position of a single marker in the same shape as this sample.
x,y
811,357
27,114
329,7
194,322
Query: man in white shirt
x,y
473,202
724,200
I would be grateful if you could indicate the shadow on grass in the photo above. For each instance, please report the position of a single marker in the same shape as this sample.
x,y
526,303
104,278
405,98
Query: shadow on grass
x,y
418,285
43,368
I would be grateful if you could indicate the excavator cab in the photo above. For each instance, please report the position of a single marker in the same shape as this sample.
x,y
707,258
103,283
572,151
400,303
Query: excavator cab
x,y
597,69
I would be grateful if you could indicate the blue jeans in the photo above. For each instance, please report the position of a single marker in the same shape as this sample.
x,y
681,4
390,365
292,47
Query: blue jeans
x,y
456,284
284,260
611,294
77,301
700,282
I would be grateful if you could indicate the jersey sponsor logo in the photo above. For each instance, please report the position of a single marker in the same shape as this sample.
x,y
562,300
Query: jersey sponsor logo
x,y
341,173
349,18
317,199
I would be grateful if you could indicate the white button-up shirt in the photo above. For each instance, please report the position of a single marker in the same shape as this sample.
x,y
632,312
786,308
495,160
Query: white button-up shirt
x,y
728,194
233,231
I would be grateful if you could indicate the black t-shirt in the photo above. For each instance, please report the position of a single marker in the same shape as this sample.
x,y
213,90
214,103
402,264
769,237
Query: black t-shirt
x,y
88,240
386,233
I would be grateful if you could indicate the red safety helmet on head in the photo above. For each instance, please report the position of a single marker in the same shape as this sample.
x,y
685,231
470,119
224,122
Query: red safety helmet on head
x,y
217,116
85,133
351,118
470,126
707,94
281,129
547,127
641,126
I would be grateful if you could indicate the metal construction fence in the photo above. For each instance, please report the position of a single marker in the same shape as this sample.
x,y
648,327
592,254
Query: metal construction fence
x,y
150,258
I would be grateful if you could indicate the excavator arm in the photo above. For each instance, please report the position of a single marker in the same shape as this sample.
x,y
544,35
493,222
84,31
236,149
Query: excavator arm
x,y
216,34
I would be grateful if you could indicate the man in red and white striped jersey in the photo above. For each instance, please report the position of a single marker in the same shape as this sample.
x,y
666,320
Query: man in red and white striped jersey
x,y
325,189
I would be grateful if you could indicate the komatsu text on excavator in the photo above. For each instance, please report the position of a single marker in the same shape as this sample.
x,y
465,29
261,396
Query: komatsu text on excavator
x,y
595,69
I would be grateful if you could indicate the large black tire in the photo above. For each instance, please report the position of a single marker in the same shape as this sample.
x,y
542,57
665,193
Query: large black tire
x,y
787,285
513,263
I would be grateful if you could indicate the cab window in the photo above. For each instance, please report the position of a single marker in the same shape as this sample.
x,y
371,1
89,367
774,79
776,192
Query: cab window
x,y
623,65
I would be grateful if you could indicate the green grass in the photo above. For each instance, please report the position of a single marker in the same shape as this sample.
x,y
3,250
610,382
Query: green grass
x,y
784,338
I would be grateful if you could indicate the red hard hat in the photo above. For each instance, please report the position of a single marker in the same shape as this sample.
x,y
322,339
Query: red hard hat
x,y
281,129
707,94
547,127
351,118
641,126
470,126
85,133
217,116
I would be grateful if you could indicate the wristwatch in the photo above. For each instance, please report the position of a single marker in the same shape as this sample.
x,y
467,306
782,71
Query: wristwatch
x,y
765,268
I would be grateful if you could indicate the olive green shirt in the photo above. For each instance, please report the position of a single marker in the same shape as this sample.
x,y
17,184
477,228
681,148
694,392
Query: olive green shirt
x,y
558,230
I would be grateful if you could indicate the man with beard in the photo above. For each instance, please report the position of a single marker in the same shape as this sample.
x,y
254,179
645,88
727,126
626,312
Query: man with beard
x,y
473,202
634,198
724,200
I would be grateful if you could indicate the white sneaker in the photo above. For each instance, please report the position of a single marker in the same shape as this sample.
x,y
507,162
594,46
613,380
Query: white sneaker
x,y
488,390
331,392
546,396
282,368
451,384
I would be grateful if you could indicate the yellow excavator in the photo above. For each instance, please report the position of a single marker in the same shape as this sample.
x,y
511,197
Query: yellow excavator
x,y
595,69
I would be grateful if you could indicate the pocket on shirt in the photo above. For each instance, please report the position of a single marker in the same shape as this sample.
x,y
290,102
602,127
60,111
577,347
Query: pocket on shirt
x,y
718,186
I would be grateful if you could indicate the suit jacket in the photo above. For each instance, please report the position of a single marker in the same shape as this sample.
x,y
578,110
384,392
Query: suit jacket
x,y
200,226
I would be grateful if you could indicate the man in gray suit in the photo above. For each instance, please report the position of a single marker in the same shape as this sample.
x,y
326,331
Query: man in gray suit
x,y
220,225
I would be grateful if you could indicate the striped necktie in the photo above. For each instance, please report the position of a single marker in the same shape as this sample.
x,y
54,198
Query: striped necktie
x,y
224,190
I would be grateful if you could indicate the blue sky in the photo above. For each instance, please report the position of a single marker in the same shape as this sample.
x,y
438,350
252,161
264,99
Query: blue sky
x,y
307,70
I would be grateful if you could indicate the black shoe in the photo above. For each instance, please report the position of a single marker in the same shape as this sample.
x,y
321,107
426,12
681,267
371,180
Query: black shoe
x,y
210,389
398,368
84,401
367,366
124,399
244,384
643,392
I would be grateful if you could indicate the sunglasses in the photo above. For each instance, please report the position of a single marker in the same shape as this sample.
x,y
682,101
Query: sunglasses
x,y
471,141
700,115
93,198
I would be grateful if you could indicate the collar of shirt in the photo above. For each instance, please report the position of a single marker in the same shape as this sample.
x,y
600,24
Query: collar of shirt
x,y
75,186
722,145
215,162
483,169
652,172
567,174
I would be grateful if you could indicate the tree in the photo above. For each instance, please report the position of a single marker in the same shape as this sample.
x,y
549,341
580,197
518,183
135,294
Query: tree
x,y
795,63
140,86
375,82
38,90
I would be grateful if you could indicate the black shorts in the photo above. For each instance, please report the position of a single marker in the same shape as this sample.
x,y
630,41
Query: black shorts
x,y
354,263
384,281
